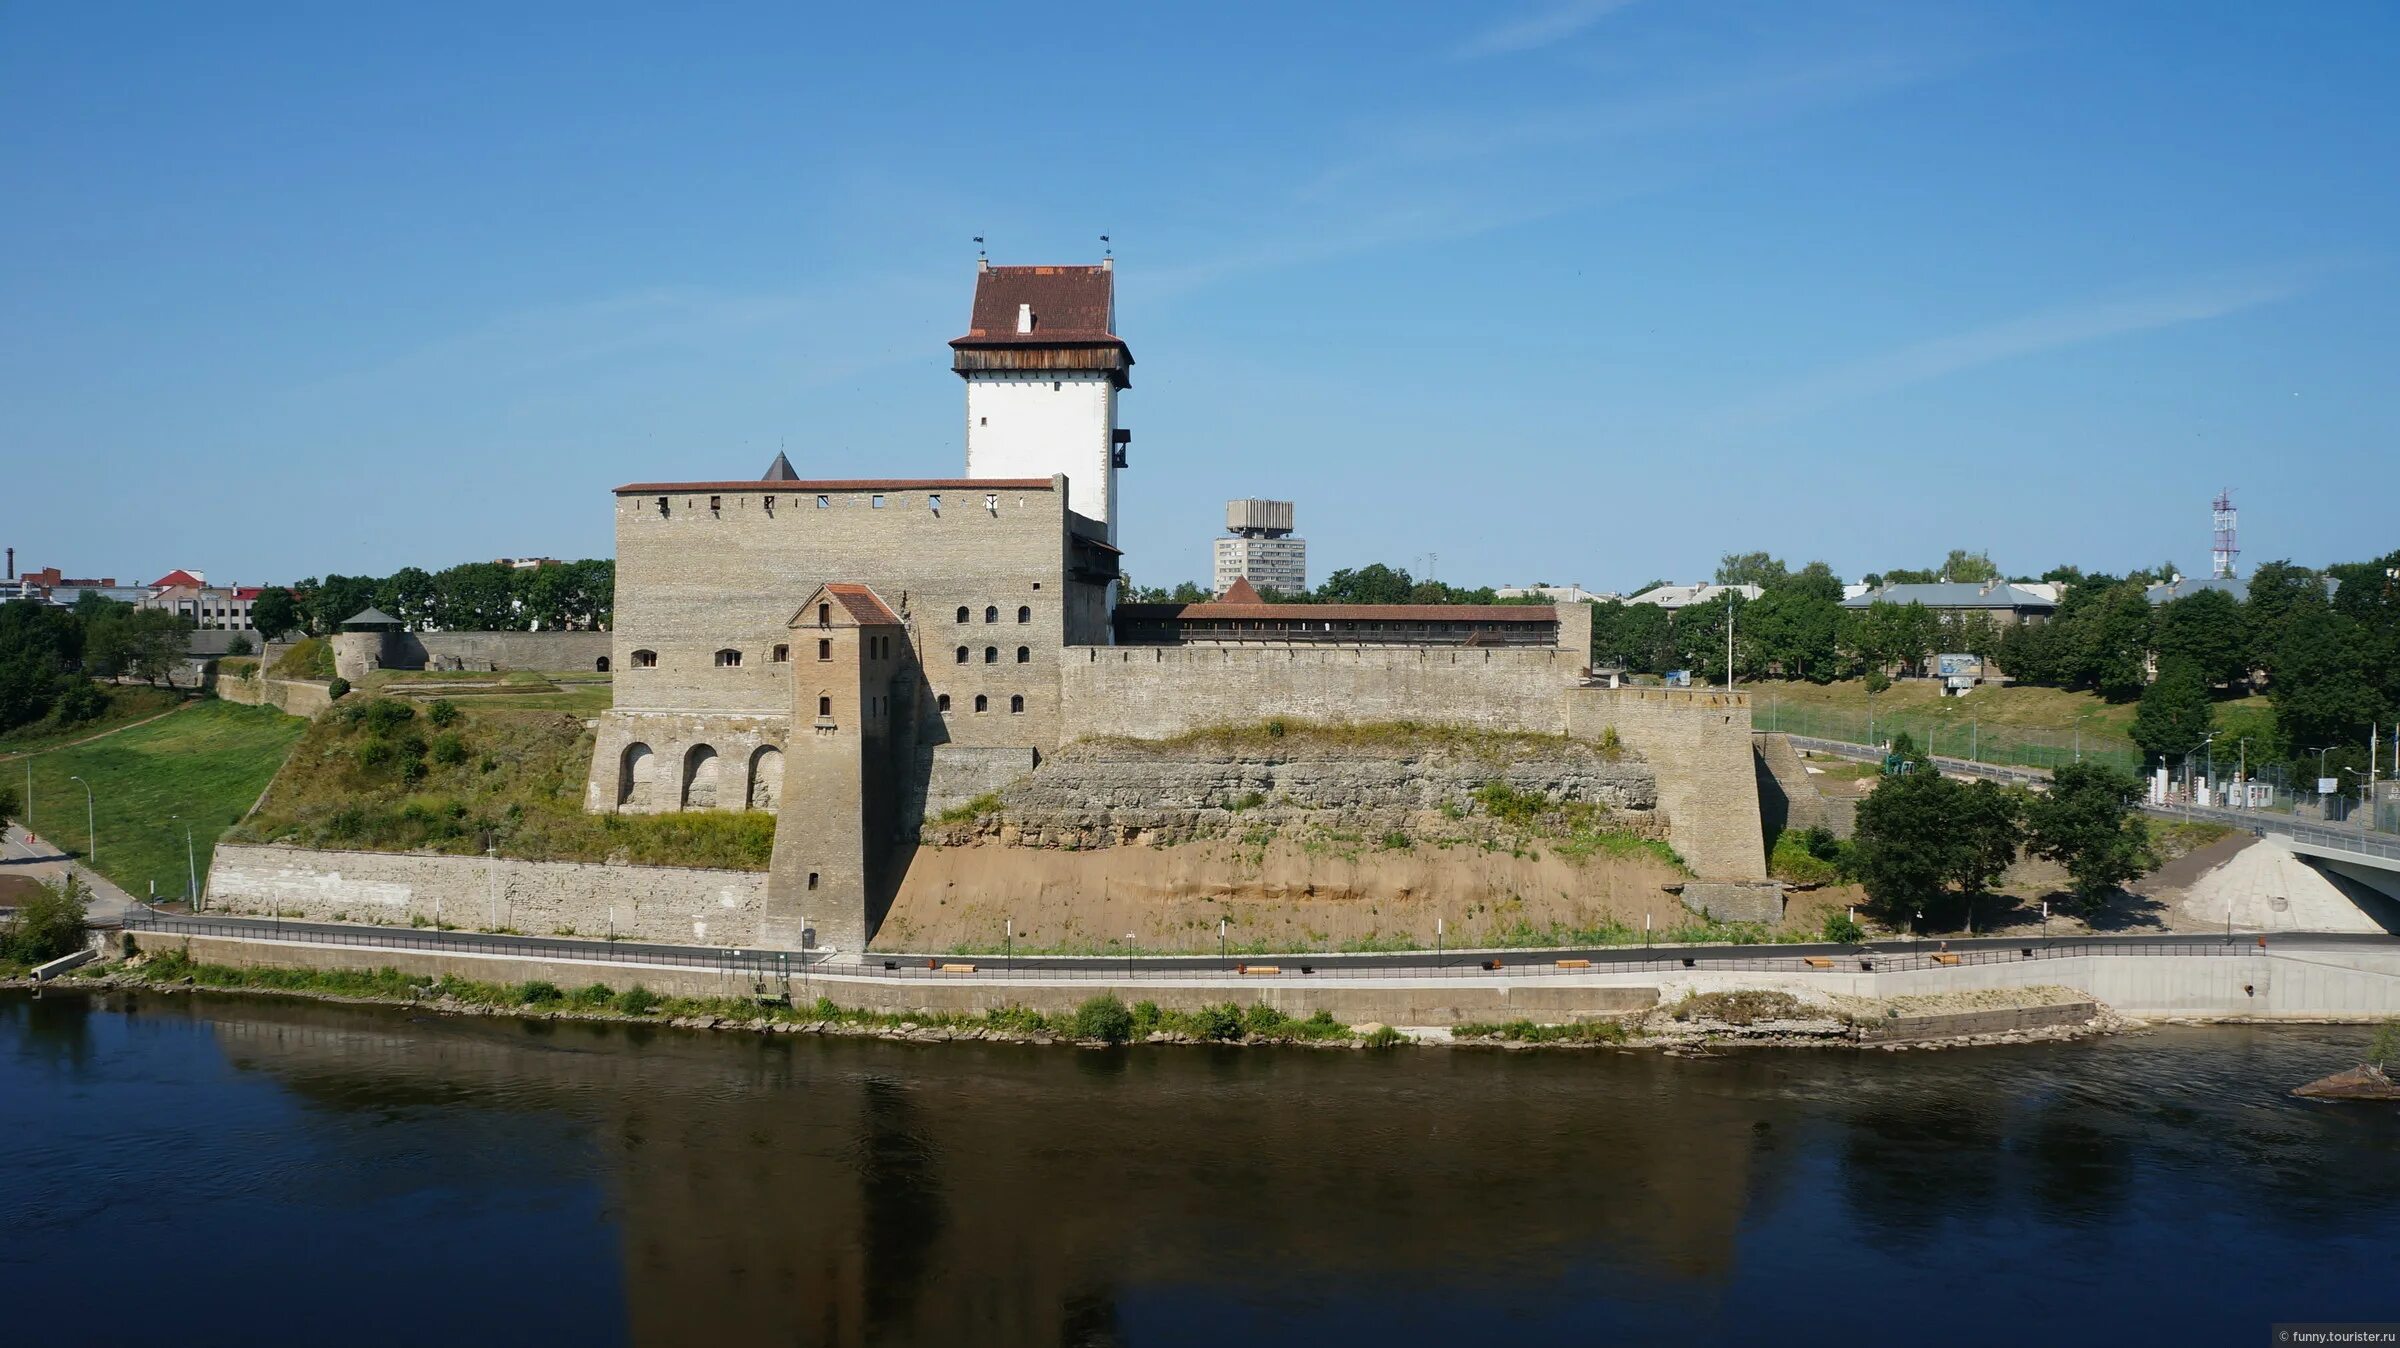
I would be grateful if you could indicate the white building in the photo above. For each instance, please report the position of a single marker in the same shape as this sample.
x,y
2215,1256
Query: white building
x,y
1557,594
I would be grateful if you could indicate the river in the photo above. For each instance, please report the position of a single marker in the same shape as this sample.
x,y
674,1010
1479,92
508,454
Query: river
x,y
218,1169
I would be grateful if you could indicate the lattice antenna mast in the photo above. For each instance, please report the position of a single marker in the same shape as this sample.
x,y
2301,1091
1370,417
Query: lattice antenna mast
x,y
2222,552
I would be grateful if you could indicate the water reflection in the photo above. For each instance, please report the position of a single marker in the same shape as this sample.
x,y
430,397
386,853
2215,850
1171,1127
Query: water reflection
x,y
794,1191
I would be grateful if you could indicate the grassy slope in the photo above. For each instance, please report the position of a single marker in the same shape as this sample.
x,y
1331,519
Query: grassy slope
x,y
127,703
206,763
522,780
2012,724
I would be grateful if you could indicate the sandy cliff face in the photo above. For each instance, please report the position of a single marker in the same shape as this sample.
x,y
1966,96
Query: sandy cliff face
x,y
1316,843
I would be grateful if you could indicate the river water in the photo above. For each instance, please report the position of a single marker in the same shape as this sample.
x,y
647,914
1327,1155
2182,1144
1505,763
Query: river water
x,y
203,1170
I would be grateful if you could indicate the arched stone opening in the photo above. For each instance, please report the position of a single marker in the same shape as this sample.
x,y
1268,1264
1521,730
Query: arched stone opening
x,y
700,778
766,778
635,769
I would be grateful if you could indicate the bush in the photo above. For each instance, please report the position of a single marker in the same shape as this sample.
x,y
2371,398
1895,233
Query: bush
x,y
49,924
1384,1036
2386,1047
449,750
1395,841
594,997
1266,1021
443,713
79,701
376,753
637,1001
540,992
1146,1018
337,689
240,645
385,715
1843,928
1105,1019
1218,1022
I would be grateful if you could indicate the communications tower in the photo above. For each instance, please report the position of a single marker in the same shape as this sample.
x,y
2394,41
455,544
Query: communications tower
x,y
2222,551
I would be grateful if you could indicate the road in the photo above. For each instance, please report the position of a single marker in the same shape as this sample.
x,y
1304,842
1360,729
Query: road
x,y
21,855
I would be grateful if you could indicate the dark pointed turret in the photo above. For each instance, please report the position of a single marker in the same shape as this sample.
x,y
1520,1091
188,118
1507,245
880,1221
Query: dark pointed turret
x,y
781,470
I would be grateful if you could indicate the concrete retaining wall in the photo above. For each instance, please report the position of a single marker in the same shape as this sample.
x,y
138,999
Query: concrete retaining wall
x,y
1962,1024
538,898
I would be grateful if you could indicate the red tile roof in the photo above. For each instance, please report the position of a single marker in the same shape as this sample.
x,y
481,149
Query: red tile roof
x,y
1241,592
862,604
177,577
247,591
859,484
1451,613
1070,305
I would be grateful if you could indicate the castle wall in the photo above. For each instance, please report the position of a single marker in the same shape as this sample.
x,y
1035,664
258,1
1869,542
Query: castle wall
x,y
748,774
1698,742
693,582
651,903
1157,692
1035,423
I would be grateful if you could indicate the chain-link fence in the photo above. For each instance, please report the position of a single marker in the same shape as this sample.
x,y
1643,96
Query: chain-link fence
x,y
1943,735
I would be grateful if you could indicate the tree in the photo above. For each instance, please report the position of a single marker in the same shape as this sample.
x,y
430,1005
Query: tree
x,y
2205,630
1749,568
407,594
1374,583
2324,690
474,597
10,806
49,924
1988,819
274,613
2175,713
2084,822
1635,637
1969,566
1906,846
336,600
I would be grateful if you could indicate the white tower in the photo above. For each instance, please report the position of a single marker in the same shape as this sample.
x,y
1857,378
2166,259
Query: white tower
x,y
1043,366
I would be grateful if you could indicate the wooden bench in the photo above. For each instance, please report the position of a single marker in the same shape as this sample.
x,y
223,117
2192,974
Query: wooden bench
x,y
1574,964
958,968
1259,969
1817,961
1945,959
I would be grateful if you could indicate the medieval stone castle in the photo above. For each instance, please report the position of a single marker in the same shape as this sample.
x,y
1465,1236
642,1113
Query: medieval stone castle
x,y
852,654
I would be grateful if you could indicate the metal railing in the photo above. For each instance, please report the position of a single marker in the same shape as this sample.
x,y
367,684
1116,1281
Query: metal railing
x,y
726,958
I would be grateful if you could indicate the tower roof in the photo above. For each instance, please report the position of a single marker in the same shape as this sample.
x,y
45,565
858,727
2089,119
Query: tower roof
x,y
1043,318
781,470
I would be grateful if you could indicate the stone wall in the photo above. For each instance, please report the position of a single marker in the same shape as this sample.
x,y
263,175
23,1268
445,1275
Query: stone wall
x,y
299,697
950,775
357,653
1102,794
539,898
1158,692
1788,796
1699,743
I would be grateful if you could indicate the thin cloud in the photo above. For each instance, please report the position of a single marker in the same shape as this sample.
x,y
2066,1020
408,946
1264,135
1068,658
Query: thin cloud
x,y
1533,32
2033,334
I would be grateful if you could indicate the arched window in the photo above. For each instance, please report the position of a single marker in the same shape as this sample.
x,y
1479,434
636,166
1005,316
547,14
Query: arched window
x,y
766,778
962,655
780,654
942,702
991,655
825,705
1024,653
635,767
982,703
1024,614
1016,702
962,613
645,659
729,659
991,613
602,666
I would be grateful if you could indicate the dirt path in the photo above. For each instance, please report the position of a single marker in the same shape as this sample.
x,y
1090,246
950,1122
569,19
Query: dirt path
x,y
119,730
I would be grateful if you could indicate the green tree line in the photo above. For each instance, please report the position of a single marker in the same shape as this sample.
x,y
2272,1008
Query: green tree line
x,y
471,597
49,656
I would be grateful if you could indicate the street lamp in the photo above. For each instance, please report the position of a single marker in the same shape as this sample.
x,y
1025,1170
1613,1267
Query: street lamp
x,y
2079,736
2205,741
191,863
91,819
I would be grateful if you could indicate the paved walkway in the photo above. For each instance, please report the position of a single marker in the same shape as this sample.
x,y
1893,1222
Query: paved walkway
x,y
21,854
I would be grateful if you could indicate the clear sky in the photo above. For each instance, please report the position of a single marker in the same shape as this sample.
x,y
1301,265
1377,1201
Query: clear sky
x,y
1565,291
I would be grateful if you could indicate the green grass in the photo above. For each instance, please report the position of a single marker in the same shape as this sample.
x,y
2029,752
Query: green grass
x,y
2035,727
127,703
521,779
206,763
309,658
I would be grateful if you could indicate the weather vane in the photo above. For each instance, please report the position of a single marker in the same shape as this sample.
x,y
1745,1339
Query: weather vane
x,y
979,246
1106,250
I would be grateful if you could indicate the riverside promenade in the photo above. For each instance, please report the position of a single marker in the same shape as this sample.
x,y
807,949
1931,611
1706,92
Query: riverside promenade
x,y
2289,976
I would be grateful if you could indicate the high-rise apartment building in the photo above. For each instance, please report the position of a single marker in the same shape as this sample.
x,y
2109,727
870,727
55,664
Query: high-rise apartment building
x,y
1261,547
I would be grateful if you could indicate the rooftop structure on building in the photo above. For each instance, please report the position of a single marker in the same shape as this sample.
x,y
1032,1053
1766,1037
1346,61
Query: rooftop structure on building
x,y
1244,618
1673,597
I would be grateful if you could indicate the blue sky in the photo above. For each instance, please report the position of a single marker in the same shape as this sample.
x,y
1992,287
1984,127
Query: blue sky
x,y
1568,291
